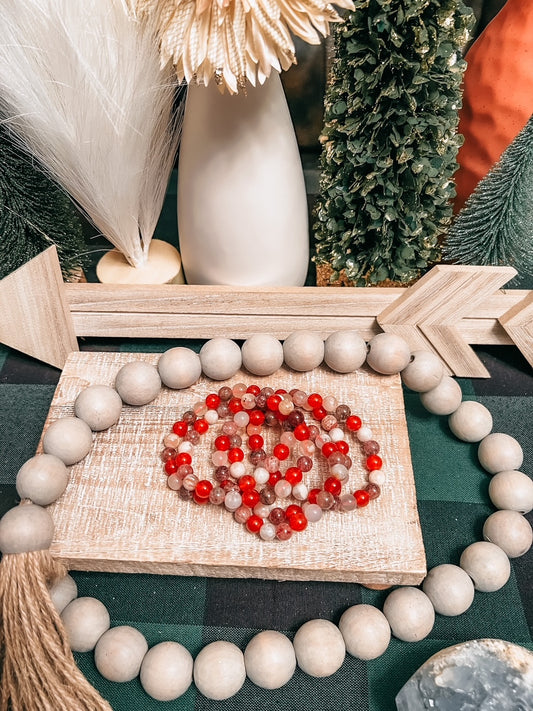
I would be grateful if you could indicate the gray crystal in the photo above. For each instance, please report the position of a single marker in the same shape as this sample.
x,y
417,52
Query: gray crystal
x,y
480,675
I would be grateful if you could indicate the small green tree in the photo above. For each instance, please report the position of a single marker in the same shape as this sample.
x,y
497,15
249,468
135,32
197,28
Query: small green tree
x,y
495,227
34,214
389,140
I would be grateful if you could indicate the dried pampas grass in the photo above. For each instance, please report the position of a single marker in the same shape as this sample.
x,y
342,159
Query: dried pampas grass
x,y
81,89
232,41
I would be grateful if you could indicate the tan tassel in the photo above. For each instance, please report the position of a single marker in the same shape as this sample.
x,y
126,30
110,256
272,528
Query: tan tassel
x,y
38,671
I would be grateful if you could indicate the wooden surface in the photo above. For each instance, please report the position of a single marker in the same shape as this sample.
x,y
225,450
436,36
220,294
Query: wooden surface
x,y
117,513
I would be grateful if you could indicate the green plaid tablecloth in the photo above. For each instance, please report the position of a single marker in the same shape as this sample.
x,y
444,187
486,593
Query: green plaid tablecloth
x,y
453,504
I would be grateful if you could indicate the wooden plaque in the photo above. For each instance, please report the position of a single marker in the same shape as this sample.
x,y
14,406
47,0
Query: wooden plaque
x,y
118,514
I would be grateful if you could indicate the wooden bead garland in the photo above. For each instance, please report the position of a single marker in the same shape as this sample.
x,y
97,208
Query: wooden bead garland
x,y
490,456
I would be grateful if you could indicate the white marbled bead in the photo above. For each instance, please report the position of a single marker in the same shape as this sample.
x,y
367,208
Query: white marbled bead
x,y
220,358
26,528
166,671
499,452
471,422
68,438
303,350
269,659
510,531
388,353
219,670
443,399
99,406
42,479
63,592
512,490
119,653
366,631
138,383
487,565
319,647
262,354
410,614
179,368
85,620
450,589
424,371
344,351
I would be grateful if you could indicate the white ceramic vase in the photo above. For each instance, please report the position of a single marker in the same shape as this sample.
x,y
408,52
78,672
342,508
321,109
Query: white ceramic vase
x,y
242,205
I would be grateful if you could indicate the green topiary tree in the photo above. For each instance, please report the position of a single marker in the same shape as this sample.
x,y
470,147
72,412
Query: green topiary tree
x,y
390,141
34,214
495,227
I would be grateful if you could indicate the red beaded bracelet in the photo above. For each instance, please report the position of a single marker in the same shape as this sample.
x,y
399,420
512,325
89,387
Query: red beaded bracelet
x,y
253,498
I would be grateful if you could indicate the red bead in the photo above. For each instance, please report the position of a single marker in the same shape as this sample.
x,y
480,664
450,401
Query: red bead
x,y
200,499
170,466
276,516
273,402
333,485
301,432
311,496
183,458
253,390
319,413
213,401
281,451
293,509
254,523
314,400
250,498
328,448
246,482
235,405
203,488
255,442
235,455
373,462
342,446
281,417
256,417
222,443
180,428
201,426
293,475
362,497
283,531
353,423
281,391
298,521
274,477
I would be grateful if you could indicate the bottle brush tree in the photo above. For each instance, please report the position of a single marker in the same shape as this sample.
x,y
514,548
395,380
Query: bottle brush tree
x,y
390,138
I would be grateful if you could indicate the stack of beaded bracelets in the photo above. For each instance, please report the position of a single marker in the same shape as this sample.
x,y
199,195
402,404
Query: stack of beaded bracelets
x,y
319,646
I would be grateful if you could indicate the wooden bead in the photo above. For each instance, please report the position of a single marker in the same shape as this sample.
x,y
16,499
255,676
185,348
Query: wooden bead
x,y
63,592
221,358
166,671
119,653
42,479
179,368
471,422
85,620
138,383
388,353
487,565
269,659
219,670
423,372
26,528
409,613
510,531
450,589
444,399
365,630
319,647
345,351
68,438
303,350
500,452
262,354
512,490
99,406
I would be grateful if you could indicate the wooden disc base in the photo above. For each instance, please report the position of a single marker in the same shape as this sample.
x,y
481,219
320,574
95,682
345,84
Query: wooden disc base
x,y
163,266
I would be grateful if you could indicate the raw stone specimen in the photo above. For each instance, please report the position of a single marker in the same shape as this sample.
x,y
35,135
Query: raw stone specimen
x,y
483,674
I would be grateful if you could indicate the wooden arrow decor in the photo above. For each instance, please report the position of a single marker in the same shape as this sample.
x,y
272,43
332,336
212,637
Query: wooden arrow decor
x,y
518,322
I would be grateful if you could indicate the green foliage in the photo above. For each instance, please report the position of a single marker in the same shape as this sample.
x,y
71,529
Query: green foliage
x,y
495,227
34,214
390,142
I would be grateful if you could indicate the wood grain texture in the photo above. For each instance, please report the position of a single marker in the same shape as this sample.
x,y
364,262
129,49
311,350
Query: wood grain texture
x,y
118,515
518,323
